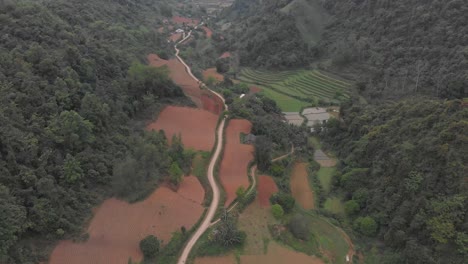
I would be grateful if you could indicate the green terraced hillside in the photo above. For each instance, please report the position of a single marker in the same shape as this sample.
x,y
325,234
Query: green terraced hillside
x,y
297,88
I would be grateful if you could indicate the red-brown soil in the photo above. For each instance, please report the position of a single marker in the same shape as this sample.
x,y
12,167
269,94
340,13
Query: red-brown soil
x,y
255,89
197,127
202,98
226,54
266,187
188,21
175,37
236,157
208,32
117,227
211,72
300,187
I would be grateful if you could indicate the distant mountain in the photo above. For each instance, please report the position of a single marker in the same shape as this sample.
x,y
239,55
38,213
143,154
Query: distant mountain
x,y
276,33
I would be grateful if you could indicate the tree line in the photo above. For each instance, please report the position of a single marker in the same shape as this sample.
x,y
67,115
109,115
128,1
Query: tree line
x,y
71,82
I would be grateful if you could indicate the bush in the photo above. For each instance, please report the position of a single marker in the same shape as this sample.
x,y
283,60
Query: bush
x,y
351,207
277,211
298,227
365,225
286,201
149,246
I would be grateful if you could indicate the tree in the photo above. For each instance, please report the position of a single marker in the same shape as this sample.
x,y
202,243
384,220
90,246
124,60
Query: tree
x,y
150,247
176,174
299,227
365,225
286,201
12,219
277,211
351,207
72,169
240,193
263,152
227,233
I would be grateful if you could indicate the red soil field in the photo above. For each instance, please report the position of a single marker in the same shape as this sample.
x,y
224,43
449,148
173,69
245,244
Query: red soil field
x,y
208,32
196,126
226,54
211,72
202,98
236,157
266,187
300,187
175,37
117,227
188,21
255,89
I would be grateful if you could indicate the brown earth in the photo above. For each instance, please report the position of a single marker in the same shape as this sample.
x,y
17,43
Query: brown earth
x,y
117,226
197,127
175,37
211,72
255,89
233,169
208,32
278,254
202,98
300,187
266,187
226,54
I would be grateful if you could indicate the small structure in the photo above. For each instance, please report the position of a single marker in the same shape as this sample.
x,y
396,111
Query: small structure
x,y
315,115
179,30
250,139
242,95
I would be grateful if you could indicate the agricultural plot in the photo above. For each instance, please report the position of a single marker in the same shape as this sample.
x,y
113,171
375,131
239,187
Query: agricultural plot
x,y
307,86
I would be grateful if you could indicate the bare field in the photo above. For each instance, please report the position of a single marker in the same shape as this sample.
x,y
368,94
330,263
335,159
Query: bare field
x,y
117,226
300,187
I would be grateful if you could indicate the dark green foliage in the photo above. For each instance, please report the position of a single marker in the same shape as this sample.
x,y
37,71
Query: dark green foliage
x,y
150,247
227,234
404,163
277,211
262,152
351,207
402,47
286,201
365,225
67,95
299,227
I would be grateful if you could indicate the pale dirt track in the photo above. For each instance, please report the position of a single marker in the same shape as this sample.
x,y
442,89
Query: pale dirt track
x,y
215,201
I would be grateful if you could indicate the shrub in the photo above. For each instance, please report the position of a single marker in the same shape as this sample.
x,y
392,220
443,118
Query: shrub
x,y
351,207
298,227
284,199
365,225
277,211
149,246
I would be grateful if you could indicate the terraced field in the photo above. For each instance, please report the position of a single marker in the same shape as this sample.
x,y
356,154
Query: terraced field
x,y
301,87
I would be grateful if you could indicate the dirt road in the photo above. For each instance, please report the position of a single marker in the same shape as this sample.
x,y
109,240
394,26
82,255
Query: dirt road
x,y
215,201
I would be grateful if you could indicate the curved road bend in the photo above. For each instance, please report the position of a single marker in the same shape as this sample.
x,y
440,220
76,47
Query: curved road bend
x,y
215,201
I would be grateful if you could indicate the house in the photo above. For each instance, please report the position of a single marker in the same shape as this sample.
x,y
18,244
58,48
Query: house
x,y
179,30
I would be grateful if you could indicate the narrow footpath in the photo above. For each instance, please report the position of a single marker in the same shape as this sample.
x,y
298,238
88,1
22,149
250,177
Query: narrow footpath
x,y
216,192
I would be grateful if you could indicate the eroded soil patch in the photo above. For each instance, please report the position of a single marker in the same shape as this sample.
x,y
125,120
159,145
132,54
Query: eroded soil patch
x,y
300,187
266,187
117,226
236,157
197,127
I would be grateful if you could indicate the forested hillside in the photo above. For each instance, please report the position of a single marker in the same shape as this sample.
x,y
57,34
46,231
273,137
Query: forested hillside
x,y
275,34
70,82
404,171
403,46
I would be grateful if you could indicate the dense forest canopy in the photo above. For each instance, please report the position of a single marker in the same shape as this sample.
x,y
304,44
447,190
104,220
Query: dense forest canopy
x,y
404,46
391,48
70,82
404,164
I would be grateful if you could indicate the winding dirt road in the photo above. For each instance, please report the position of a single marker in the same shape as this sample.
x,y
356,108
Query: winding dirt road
x,y
216,193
